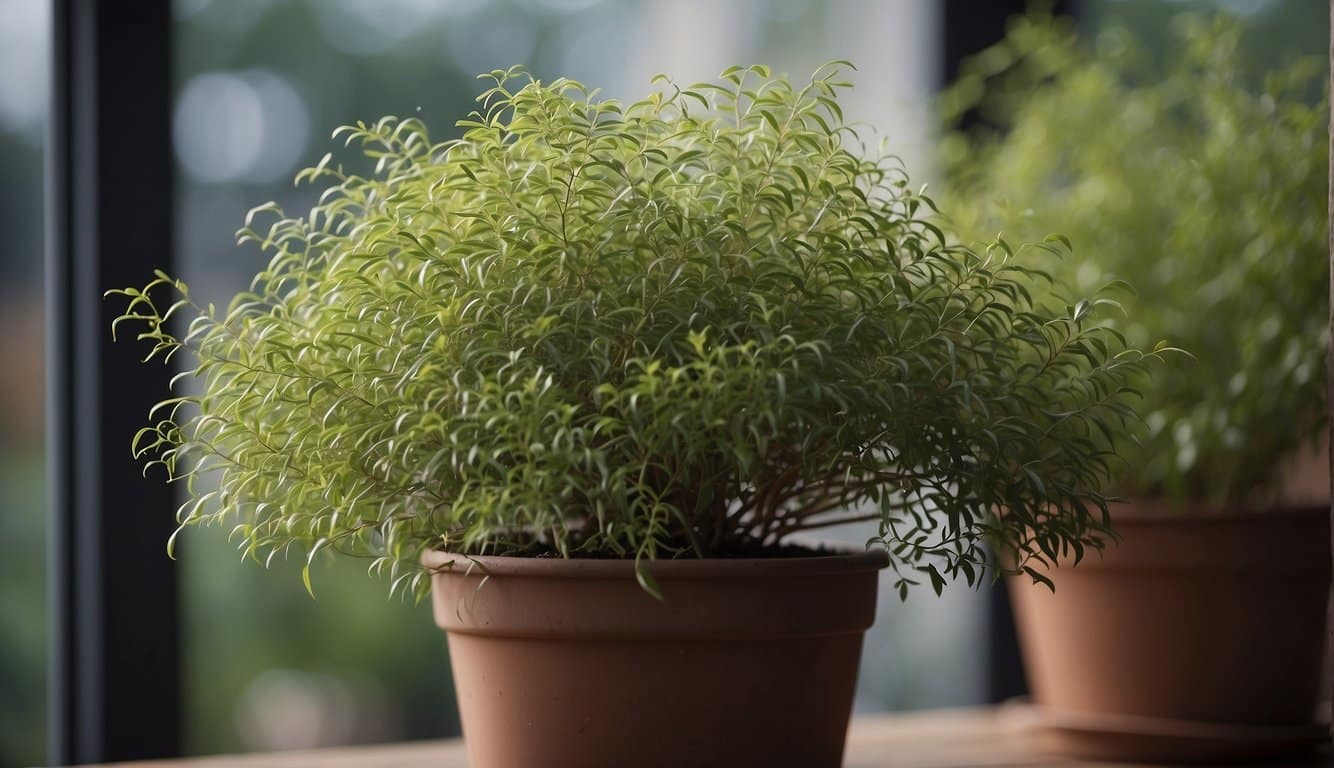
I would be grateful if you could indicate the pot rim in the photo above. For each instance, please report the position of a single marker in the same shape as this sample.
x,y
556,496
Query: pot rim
x,y
841,559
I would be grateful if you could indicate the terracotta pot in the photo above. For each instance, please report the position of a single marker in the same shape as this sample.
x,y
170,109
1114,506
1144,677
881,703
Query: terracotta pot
x,y
564,663
1196,617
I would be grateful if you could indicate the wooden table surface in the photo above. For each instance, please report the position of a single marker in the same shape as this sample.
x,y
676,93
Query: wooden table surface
x,y
975,738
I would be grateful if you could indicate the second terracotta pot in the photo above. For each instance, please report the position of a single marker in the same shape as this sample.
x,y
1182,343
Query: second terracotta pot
x,y
1197,617
570,664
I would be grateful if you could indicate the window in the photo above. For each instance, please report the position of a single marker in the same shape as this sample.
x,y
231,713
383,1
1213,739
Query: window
x,y
23,625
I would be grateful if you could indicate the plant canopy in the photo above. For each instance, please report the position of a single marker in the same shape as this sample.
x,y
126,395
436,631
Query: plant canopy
x,y
1205,184
690,326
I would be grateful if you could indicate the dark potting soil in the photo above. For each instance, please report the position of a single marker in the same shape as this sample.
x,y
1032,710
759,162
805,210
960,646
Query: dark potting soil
x,y
732,551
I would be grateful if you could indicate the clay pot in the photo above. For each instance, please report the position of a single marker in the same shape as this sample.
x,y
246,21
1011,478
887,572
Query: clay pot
x,y
564,663
1197,621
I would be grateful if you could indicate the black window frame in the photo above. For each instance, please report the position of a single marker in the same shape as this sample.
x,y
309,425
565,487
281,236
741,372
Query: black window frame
x,y
114,670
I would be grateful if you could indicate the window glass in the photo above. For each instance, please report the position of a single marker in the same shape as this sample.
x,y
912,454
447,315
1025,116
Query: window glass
x,y
23,625
260,85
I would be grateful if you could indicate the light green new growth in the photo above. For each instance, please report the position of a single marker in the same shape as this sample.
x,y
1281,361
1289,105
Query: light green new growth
x,y
1206,187
685,327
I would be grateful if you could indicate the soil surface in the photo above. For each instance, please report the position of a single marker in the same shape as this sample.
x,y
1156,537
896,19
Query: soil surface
x,y
732,551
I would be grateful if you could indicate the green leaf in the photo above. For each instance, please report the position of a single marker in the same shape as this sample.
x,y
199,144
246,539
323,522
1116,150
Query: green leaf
x,y
646,581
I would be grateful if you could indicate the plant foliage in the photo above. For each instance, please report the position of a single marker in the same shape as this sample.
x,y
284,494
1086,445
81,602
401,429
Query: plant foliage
x,y
690,326
1205,187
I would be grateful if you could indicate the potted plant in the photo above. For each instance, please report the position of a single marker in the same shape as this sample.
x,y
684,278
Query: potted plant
x,y
594,365
1201,634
